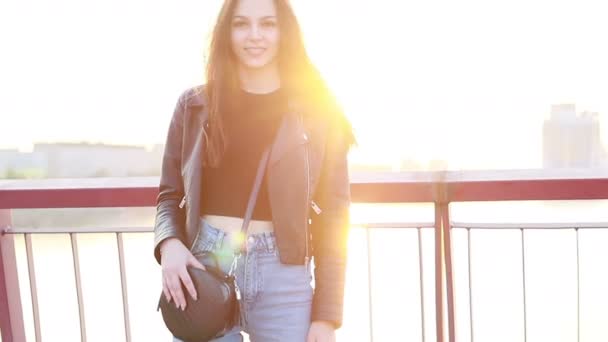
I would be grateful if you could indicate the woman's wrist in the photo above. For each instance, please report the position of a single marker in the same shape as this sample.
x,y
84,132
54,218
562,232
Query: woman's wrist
x,y
325,323
164,243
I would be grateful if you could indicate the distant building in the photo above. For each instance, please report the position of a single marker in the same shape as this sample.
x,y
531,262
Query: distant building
x,y
76,160
98,160
571,140
11,160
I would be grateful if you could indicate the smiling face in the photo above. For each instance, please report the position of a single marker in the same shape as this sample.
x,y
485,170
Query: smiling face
x,y
255,34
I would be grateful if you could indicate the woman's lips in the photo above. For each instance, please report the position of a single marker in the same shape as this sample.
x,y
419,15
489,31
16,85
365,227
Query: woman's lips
x,y
255,51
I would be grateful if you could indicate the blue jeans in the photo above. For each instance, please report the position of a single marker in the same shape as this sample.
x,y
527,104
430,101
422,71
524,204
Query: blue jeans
x,y
276,298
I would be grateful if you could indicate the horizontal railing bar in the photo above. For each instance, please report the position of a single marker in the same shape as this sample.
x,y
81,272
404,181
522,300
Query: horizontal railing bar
x,y
357,177
374,225
80,198
91,230
87,230
366,187
527,190
531,225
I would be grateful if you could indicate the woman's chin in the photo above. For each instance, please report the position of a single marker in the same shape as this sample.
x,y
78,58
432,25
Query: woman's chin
x,y
256,64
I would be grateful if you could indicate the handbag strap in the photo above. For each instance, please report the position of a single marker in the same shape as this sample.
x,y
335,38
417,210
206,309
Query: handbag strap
x,y
255,190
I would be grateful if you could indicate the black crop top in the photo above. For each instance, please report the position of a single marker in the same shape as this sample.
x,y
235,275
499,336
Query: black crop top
x,y
249,128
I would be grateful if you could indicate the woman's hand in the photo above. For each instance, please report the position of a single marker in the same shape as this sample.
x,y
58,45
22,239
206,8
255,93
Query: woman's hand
x,y
175,257
321,331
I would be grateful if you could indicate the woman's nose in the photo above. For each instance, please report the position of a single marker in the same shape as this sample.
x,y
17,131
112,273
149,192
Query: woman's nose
x,y
255,32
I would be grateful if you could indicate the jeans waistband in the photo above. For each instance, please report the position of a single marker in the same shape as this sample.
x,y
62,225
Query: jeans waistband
x,y
260,242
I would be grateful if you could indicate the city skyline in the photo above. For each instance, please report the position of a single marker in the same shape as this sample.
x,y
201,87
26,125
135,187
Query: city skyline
x,y
570,139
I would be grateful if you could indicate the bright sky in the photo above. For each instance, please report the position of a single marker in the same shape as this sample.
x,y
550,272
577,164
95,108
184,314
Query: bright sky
x,y
466,81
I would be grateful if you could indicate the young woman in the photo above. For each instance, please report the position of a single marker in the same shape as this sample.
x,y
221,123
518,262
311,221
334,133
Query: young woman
x,y
262,90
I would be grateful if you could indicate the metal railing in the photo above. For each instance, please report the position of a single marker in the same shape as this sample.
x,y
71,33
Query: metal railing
x,y
522,228
33,286
439,188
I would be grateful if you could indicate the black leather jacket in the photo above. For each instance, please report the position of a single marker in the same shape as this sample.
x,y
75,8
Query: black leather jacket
x,y
308,187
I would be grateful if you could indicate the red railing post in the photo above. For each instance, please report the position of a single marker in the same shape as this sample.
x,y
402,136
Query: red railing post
x,y
438,274
449,272
443,259
11,315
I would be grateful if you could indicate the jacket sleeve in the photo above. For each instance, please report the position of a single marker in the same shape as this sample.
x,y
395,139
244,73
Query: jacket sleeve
x,y
330,231
170,219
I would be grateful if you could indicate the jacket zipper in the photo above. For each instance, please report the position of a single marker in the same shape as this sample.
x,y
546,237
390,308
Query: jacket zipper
x,y
183,201
316,207
307,237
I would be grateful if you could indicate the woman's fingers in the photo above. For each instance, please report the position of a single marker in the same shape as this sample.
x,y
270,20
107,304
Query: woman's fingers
x,y
187,281
166,290
193,261
176,291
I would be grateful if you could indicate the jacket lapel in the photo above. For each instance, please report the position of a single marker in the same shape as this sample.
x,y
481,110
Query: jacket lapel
x,y
290,135
195,136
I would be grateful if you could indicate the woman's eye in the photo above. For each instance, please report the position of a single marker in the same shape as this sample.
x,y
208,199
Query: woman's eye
x,y
269,24
238,24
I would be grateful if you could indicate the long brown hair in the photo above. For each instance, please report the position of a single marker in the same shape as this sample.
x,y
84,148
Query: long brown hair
x,y
300,79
